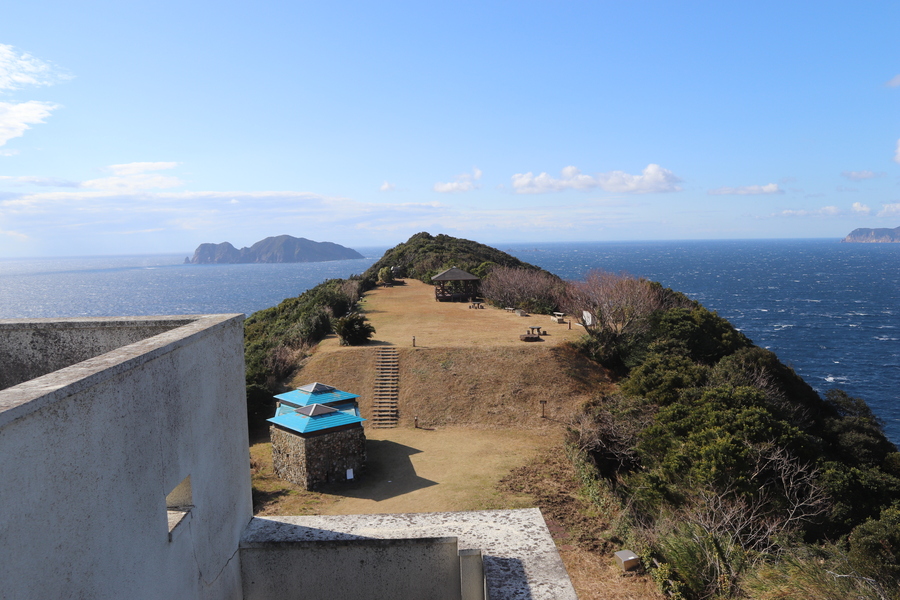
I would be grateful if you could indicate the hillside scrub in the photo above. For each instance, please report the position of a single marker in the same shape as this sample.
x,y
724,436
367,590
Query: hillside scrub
x,y
424,255
727,461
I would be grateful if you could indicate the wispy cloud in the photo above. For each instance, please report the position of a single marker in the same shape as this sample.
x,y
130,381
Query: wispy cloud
x,y
140,167
825,211
387,187
41,181
14,234
135,176
747,190
19,69
16,119
897,153
861,175
653,179
893,81
859,207
889,210
464,182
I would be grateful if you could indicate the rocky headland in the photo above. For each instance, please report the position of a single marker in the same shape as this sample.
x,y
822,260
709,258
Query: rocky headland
x,y
279,249
873,236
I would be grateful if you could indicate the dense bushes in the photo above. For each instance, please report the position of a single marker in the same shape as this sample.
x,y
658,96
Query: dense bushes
x,y
729,464
353,329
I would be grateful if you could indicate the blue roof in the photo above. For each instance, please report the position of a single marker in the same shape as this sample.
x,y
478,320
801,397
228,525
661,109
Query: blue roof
x,y
289,418
304,398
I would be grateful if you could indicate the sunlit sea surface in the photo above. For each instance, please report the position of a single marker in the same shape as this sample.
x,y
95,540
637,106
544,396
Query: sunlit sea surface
x,y
830,310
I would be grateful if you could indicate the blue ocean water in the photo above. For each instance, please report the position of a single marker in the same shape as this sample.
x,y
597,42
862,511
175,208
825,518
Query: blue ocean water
x,y
829,310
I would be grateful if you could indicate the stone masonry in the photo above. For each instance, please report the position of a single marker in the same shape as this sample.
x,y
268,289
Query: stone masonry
x,y
316,459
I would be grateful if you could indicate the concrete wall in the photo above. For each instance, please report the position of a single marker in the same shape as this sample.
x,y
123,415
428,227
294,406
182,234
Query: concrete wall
x,y
90,452
324,458
352,569
30,348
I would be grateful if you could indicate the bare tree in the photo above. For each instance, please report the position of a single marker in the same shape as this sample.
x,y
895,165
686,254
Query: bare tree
x,y
614,303
536,291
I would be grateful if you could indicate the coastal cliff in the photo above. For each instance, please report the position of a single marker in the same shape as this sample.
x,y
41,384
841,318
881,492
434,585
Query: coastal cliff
x,y
279,249
873,236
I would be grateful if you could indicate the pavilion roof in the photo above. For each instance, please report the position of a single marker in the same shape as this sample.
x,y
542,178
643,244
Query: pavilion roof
x,y
315,393
454,274
316,417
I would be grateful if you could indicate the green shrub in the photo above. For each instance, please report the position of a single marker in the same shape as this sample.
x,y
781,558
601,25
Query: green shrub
x,y
353,330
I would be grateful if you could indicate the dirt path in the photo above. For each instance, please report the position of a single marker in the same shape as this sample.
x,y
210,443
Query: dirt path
x,y
398,313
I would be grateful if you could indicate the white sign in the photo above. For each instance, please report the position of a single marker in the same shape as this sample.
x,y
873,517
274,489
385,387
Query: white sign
x,y
587,318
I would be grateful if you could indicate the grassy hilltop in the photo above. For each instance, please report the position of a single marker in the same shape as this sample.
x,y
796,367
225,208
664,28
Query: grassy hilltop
x,y
704,453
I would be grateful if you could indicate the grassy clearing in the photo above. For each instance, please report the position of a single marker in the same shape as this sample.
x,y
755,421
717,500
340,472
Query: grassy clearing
x,y
412,470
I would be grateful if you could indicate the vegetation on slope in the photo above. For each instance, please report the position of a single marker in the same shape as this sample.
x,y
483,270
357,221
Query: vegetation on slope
x,y
726,461
424,255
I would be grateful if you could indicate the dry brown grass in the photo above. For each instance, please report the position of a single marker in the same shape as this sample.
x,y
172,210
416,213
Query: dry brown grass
x,y
479,387
403,311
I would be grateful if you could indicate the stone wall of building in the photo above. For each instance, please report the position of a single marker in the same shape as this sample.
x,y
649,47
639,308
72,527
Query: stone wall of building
x,y
325,458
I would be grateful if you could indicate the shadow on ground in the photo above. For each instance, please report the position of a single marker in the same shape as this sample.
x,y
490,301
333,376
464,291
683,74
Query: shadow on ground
x,y
389,473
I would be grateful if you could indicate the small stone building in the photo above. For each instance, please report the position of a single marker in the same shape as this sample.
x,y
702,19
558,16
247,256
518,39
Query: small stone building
x,y
317,436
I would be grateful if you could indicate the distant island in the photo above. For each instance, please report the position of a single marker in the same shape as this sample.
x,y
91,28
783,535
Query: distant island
x,y
278,249
873,236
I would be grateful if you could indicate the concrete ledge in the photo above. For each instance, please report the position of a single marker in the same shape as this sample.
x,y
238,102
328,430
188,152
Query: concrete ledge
x,y
32,395
519,556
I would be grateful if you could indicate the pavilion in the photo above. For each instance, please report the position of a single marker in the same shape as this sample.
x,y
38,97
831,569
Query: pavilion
x,y
455,285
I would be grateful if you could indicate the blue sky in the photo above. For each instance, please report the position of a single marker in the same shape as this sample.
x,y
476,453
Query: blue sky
x,y
139,127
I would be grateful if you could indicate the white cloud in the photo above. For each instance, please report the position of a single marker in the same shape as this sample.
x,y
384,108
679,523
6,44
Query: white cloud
x,y
894,81
19,69
15,119
747,190
140,167
127,183
135,176
14,234
859,207
897,153
825,211
861,175
42,181
387,187
464,182
653,179
889,210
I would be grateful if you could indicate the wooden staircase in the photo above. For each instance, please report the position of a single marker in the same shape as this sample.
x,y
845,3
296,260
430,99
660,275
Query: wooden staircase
x,y
385,412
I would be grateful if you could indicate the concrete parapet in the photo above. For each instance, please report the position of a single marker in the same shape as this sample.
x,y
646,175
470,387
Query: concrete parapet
x,y
351,569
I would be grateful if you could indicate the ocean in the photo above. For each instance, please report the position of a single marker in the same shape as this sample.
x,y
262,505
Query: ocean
x,y
829,310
